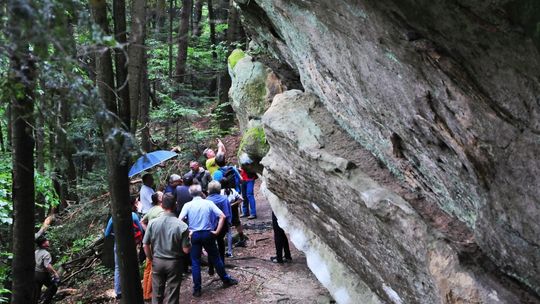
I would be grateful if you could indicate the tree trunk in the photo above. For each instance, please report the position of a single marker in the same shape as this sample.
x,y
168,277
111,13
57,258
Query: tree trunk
x,y
116,142
183,41
145,109
221,13
212,23
161,11
21,80
104,68
197,18
171,14
137,52
235,31
40,152
2,144
119,17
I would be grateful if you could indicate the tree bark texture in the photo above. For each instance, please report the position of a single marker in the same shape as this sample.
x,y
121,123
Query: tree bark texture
x,y
171,15
104,67
183,41
137,52
121,65
161,17
197,18
235,31
145,111
117,145
212,23
21,81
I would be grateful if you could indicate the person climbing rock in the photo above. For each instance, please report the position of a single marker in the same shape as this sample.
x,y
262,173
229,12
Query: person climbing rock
x,y
45,274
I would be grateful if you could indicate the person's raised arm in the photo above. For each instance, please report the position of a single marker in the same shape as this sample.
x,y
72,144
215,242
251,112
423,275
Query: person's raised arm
x,y
109,228
221,147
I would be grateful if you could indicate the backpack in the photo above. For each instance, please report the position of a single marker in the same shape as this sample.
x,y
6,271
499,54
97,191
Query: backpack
x,y
137,233
229,178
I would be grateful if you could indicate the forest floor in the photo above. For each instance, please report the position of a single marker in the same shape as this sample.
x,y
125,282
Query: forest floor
x,y
260,280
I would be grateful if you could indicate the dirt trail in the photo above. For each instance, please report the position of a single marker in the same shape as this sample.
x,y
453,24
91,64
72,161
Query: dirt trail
x,y
261,281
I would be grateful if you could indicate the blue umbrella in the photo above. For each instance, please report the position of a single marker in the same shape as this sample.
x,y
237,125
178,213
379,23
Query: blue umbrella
x,y
150,160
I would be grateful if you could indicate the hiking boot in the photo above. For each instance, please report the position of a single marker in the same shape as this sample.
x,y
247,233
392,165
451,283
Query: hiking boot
x,y
275,259
252,217
230,282
244,215
287,260
197,293
211,271
229,255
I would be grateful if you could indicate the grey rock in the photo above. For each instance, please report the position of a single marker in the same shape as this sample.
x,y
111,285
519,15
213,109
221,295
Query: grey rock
x,y
444,95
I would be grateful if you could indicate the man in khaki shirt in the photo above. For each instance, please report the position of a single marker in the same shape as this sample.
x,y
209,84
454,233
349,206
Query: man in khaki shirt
x,y
166,244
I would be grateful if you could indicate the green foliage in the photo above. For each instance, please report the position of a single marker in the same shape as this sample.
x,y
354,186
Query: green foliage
x,y
169,109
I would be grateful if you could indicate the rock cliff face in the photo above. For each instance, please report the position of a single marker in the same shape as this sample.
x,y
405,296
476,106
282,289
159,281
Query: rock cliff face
x,y
409,168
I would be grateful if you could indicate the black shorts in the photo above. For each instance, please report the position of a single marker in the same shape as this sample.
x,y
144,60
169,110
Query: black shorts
x,y
235,216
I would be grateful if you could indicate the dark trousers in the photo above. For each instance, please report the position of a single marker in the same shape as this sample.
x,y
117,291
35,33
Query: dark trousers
x,y
44,278
220,239
166,279
280,240
206,240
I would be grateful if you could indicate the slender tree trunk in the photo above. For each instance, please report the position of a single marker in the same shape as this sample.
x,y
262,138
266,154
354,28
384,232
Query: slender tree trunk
x,y
235,31
161,13
40,152
121,66
21,80
212,23
104,67
197,18
137,52
171,14
8,126
2,144
145,109
117,143
221,13
183,41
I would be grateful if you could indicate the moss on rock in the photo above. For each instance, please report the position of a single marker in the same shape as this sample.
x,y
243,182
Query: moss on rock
x,y
254,143
235,56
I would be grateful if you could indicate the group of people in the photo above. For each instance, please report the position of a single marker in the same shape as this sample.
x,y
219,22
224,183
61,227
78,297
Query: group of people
x,y
192,213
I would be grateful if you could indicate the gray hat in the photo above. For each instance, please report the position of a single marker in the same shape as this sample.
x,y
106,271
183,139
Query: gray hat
x,y
174,178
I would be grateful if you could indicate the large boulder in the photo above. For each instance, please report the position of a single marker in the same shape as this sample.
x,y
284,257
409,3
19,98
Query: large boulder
x,y
444,95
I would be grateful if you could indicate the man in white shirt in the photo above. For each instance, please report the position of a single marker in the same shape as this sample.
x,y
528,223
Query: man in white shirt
x,y
146,193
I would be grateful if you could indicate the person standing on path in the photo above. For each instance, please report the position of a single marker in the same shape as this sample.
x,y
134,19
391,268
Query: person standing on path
x,y
166,244
249,209
200,174
45,274
201,215
146,193
281,242
222,202
210,155
153,213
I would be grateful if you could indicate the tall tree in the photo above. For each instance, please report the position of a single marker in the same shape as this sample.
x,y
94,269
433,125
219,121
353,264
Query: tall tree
x,y
136,54
145,111
118,144
197,18
171,15
161,17
104,68
21,81
183,40
119,18
212,22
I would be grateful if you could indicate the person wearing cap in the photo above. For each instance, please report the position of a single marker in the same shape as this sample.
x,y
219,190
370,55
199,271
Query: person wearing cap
x,y
210,155
174,181
45,274
200,174
146,193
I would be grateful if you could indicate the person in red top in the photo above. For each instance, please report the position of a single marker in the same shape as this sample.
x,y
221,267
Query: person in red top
x,y
248,184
